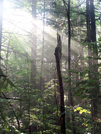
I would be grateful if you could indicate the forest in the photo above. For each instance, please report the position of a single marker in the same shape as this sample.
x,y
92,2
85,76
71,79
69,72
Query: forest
x,y
50,65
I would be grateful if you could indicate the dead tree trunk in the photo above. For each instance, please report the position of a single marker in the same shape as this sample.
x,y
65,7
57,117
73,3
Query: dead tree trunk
x,y
58,59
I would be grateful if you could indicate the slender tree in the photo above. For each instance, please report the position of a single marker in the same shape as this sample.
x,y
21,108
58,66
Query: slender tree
x,y
41,74
95,62
70,96
33,58
80,47
33,46
88,32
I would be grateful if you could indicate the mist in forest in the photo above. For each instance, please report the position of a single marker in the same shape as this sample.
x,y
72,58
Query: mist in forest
x,y
50,66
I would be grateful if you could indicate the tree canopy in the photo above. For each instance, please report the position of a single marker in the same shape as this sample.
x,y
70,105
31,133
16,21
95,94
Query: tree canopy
x,y
50,65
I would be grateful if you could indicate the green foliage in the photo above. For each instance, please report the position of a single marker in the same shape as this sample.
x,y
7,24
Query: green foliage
x,y
22,106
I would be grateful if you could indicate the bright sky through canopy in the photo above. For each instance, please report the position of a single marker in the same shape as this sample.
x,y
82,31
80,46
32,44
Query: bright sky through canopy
x,y
17,20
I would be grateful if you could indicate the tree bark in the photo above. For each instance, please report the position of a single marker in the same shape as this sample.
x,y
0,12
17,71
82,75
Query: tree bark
x,y
41,74
70,97
62,109
94,105
88,34
33,47
92,52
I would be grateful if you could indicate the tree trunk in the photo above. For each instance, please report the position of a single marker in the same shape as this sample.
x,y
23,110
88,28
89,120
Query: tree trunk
x,y
58,64
70,97
94,103
80,54
33,47
69,57
89,36
92,52
41,73
89,41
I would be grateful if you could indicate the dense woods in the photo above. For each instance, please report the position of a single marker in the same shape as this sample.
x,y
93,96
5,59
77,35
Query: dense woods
x,y
50,61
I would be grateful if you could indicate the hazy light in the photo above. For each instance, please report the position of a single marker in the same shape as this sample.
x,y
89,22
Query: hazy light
x,y
17,20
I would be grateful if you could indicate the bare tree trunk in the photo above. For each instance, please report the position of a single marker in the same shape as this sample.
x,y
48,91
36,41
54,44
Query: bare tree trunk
x,y
94,103
88,34
57,96
41,74
80,54
80,47
33,57
89,40
70,96
33,47
78,36
58,64
92,52
69,57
